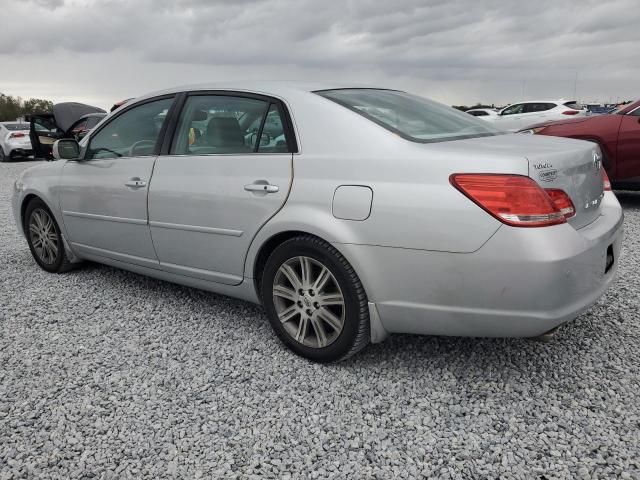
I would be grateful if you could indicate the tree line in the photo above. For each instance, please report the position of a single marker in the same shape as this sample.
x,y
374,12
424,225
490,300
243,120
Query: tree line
x,y
11,108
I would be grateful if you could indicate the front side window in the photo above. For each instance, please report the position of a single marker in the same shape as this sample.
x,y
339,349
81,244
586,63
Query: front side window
x,y
223,124
132,134
413,118
514,109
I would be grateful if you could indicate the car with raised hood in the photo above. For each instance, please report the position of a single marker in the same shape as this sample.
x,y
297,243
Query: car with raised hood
x,y
14,141
617,135
65,120
360,212
521,115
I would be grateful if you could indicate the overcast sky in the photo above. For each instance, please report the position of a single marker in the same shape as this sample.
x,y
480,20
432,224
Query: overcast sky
x,y
457,52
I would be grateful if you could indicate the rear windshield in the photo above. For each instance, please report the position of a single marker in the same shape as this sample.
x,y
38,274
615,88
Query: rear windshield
x,y
16,126
413,118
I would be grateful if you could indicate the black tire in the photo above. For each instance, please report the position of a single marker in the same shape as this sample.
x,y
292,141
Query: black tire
x,y
59,263
355,332
3,157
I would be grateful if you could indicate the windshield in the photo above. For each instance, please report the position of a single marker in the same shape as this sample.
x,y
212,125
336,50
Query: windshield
x,y
16,126
413,118
625,106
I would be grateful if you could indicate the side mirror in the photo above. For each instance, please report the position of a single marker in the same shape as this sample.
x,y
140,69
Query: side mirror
x,y
66,149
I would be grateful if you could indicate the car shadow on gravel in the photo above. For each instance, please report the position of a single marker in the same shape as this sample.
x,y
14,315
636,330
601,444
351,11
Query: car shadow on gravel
x,y
628,199
507,360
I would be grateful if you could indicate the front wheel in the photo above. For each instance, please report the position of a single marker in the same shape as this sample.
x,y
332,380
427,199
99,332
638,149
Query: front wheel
x,y
315,301
44,238
3,157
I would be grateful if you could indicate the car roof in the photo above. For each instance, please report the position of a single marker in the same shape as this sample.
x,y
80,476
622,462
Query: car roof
x,y
268,87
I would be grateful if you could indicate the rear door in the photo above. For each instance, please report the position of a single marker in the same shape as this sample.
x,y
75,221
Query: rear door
x,y
218,185
535,113
628,157
104,196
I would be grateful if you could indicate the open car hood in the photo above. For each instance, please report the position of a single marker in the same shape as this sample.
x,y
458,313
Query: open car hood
x,y
66,114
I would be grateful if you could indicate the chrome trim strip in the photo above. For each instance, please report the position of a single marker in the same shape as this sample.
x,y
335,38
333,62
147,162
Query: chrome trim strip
x,y
196,228
107,218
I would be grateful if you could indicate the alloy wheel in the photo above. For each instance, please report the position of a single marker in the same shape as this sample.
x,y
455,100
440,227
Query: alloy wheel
x,y
44,237
309,302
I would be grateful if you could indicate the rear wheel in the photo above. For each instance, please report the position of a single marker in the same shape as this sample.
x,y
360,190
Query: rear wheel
x,y
44,238
315,301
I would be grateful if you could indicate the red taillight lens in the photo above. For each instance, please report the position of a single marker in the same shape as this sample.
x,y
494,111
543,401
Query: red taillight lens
x,y
513,199
606,183
17,135
571,112
562,201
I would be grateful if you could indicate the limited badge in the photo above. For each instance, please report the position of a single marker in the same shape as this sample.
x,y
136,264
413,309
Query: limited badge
x,y
548,175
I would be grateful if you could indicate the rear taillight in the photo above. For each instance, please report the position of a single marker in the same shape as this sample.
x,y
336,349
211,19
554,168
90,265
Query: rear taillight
x,y
606,183
562,201
515,200
17,135
571,112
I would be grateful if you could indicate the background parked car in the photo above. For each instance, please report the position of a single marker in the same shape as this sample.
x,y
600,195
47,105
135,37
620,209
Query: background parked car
x,y
61,122
524,114
483,113
14,140
618,135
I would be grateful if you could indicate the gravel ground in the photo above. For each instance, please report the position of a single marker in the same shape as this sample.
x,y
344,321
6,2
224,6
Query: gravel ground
x,y
108,374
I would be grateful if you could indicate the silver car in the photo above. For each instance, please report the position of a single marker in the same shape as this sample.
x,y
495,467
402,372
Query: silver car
x,y
348,213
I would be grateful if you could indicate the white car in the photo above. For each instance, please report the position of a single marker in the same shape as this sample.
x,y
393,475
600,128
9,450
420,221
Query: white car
x,y
525,114
488,114
14,141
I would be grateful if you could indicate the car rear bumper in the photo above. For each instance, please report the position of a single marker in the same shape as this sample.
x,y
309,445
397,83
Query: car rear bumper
x,y
522,283
21,152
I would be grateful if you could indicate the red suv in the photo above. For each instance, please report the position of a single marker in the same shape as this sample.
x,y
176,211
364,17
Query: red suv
x,y
618,135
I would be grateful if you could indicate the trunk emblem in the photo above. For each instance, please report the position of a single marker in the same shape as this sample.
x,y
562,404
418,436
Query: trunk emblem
x,y
597,160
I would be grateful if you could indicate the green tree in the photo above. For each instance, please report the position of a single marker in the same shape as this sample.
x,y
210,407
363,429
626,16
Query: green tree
x,y
13,107
10,107
36,105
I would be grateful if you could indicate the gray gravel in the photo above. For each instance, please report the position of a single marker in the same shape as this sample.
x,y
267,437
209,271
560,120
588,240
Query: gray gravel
x,y
108,374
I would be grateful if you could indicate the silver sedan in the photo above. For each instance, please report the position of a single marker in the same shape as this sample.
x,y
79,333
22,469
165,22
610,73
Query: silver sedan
x,y
348,213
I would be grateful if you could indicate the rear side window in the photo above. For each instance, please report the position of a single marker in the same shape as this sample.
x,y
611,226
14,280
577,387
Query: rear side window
x,y
224,124
413,118
134,133
538,107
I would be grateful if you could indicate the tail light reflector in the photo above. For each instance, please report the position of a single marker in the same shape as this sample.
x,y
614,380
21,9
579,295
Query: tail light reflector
x,y
562,201
606,183
17,135
515,200
571,112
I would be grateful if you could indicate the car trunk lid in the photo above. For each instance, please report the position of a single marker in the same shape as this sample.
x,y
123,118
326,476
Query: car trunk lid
x,y
573,166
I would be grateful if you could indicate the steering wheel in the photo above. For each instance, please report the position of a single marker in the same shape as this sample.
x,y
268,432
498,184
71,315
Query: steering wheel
x,y
138,144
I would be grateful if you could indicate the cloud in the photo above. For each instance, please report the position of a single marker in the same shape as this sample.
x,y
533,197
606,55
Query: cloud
x,y
466,50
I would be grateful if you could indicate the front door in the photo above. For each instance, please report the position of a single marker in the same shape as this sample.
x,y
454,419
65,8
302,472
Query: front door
x,y
511,117
628,157
104,196
228,171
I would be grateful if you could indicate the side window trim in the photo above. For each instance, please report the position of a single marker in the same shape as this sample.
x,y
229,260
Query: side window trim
x,y
289,131
125,108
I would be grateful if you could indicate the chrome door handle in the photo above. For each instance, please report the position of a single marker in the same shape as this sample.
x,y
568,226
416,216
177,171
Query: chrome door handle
x,y
135,182
261,187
